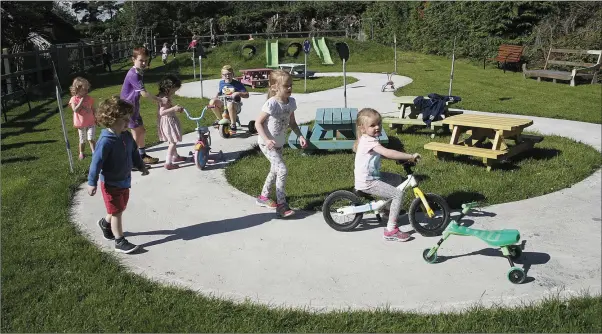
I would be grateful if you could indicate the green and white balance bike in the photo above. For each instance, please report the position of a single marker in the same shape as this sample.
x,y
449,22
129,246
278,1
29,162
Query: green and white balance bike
x,y
505,239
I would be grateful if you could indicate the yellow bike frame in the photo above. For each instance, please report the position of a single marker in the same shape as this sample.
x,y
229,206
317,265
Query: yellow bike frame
x,y
419,194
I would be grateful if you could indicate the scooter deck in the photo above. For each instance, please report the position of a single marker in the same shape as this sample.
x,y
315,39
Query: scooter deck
x,y
496,238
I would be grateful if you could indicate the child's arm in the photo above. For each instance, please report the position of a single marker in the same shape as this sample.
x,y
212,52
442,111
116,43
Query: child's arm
x,y
153,97
241,90
394,154
98,157
295,127
164,111
267,139
76,107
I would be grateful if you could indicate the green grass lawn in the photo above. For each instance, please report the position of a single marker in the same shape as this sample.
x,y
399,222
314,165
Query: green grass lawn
x,y
54,280
553,164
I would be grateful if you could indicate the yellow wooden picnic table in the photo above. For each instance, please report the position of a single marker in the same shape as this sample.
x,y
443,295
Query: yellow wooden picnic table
x,y
504,133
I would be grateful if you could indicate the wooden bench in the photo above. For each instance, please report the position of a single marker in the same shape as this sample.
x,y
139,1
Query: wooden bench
x,y
334,129
408,115
487,153
580,69
508,54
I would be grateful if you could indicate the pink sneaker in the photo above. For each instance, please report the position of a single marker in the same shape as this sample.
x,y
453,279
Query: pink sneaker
x,y
265,202
179,159
396,235
171,166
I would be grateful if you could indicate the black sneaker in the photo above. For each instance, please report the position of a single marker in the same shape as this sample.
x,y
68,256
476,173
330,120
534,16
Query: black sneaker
x,y
124,246
233,128
105,227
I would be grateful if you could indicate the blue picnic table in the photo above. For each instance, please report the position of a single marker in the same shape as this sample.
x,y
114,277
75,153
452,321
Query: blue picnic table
x,y
334,129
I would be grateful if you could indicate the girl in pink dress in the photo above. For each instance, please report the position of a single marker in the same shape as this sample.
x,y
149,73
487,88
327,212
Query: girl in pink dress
x,y
168,123
83,114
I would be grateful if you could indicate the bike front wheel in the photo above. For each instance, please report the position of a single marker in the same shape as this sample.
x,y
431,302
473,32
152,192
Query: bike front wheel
x,y
419,217
224,130
340,199
201,156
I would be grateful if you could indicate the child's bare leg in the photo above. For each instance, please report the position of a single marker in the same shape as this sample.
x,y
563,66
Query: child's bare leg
x,y
217,108
116,227
81,148
232,112
93,145
171,150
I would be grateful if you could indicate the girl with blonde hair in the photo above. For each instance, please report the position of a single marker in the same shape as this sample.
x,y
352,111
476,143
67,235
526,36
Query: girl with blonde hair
x,y
277,114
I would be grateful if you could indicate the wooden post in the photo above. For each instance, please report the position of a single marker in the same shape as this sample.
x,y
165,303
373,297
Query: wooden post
x,y
38,65
154,44
82,61
9,80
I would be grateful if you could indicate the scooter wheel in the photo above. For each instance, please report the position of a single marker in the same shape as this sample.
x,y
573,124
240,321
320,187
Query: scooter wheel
x,y
335,201
515,252
251,127
516,275
422,223
224,131
429,259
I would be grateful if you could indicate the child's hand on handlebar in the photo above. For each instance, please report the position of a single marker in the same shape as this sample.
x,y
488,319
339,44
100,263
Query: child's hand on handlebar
x,y
416,157
179,108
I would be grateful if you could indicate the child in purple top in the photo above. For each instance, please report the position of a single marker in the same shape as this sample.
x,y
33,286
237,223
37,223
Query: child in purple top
x,y
132,89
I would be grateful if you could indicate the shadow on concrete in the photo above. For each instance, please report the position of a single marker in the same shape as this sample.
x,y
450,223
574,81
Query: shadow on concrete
x,y
527,259
213,227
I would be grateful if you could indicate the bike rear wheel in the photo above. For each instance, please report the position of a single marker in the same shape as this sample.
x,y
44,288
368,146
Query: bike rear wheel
x,y
422,223
339,199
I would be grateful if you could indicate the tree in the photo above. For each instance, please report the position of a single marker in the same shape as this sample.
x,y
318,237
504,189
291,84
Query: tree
x,y
20,19
62,12
90,8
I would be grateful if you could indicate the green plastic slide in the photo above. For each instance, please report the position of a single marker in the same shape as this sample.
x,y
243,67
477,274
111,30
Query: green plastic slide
x,y
322,50
271,54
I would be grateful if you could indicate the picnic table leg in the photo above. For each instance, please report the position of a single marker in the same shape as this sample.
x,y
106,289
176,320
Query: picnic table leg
x,y
455,135
498,141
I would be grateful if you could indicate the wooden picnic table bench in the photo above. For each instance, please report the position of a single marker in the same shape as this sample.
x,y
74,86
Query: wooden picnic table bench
x,y
255,77
334,129
480,128
409,114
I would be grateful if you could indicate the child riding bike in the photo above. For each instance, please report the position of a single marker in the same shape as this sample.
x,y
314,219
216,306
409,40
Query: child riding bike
x,y
233,91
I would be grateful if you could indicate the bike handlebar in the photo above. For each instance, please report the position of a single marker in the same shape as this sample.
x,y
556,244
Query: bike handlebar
x,y
195,118
468,206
